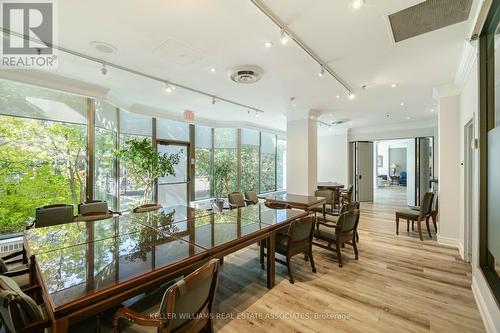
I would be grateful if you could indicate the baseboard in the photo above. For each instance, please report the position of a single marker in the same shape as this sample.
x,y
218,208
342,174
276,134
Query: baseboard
x,y
461,250
449,242
479,289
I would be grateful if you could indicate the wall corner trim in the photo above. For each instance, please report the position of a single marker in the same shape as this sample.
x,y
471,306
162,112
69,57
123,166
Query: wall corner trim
x,y
449,242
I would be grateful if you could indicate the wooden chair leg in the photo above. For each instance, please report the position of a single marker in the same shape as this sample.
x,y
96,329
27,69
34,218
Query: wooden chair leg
x,y
306,257
221,261
339,254
357,237
428,229
312,260
355,247
412,226
397,225
419,227
289,267
407,225
262,254
434,218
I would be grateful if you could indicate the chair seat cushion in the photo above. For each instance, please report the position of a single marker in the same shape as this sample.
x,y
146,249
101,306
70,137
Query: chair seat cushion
x,y
325,232
408,213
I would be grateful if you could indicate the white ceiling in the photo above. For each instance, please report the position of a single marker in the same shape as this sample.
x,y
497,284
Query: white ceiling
x,y
181,40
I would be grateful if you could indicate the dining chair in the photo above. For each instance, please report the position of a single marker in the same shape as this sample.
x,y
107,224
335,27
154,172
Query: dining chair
x,y
340,233
346,195
434,212
94,210
52,215
146,208
251,197
235,200
186,306
417,216
19,311
346,207
329,204
15,265
298,240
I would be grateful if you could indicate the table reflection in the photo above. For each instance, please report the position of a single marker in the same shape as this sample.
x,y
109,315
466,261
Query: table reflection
x,y
262,213
168,215
74,272
60,236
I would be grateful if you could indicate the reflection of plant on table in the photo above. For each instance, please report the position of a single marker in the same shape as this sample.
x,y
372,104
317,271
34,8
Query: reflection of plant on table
x,y
145,164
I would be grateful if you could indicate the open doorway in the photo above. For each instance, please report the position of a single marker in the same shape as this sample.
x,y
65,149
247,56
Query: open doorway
x,y
394,167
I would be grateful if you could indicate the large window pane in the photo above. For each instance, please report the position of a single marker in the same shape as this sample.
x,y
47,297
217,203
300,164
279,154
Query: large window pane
x,y
203,164
225,158
105,143
42,161
172,130
132,193
249,160
281,165
268,162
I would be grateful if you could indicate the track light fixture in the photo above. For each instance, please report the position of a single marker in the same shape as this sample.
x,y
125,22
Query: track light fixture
x,y
283,37
104,70
321,72
213,100
351,96
169,87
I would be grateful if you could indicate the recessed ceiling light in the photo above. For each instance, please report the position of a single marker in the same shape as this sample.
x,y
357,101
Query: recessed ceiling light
x,y
408,118
351,96
268,44
338,96
283,37
394,85
294,105
356,4
103,47
213,70
402,104
388,115
330,128
331,114
432,110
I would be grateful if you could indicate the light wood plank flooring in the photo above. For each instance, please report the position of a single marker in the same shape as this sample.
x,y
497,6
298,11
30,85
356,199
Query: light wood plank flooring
x,y
399,284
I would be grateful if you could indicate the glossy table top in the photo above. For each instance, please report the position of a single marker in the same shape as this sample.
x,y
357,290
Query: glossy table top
x,y
79,259
292,199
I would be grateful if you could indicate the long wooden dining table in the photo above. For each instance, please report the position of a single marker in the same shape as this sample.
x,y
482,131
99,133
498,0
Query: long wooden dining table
x,y
303,202
84,268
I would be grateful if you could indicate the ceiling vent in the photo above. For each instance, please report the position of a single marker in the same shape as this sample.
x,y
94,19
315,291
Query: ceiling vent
x,y
246,74
428,16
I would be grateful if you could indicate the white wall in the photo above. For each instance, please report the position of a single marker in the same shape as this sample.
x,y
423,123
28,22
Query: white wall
x,y
332,158
410,177
301,156
449,170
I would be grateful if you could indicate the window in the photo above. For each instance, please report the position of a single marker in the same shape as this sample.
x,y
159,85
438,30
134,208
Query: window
x,y
133,126
490,150
105,142
43,138
281,165
250,143
203,162
225,158
267,162
170,130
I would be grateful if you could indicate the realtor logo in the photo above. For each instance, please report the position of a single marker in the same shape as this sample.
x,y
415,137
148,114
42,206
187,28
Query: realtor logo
x,y
28,34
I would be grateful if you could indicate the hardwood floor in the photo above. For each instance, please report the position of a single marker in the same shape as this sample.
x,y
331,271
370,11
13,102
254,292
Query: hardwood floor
x,y
399,284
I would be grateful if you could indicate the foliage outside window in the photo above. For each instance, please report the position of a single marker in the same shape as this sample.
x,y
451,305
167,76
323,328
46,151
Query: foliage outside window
x,y
203,164
226,155
268,162
42,161
281,164
250,143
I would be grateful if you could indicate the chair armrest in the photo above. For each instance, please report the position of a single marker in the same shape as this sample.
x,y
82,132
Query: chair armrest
x,y
13,255
328,224
332,213
17,272
232,206
30,224
249,201
136,318
36,326
115,213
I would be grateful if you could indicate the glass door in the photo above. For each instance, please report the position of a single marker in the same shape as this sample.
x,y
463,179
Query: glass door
x,y
363,171
173,190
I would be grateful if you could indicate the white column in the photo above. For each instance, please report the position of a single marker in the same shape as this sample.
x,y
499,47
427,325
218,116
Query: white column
x,y
333,156
301,157
449,169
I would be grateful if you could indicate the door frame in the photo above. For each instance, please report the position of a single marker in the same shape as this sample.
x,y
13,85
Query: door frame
x,y
186,144
355,168
468,164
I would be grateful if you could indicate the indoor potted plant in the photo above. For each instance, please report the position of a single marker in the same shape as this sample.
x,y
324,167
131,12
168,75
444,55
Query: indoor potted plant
x,y
221,176
145,164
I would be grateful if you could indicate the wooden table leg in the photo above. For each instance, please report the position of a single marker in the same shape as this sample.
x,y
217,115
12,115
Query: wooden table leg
x,y
270,260
60,325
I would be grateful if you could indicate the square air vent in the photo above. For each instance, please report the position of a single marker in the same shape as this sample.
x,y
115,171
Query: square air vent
x,y
428,16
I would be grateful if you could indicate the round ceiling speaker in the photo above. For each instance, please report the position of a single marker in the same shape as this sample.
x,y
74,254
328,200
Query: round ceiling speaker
x,y
103,47
246,74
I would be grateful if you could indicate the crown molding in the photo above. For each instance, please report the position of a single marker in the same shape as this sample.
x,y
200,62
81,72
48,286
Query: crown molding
x,y
466,63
